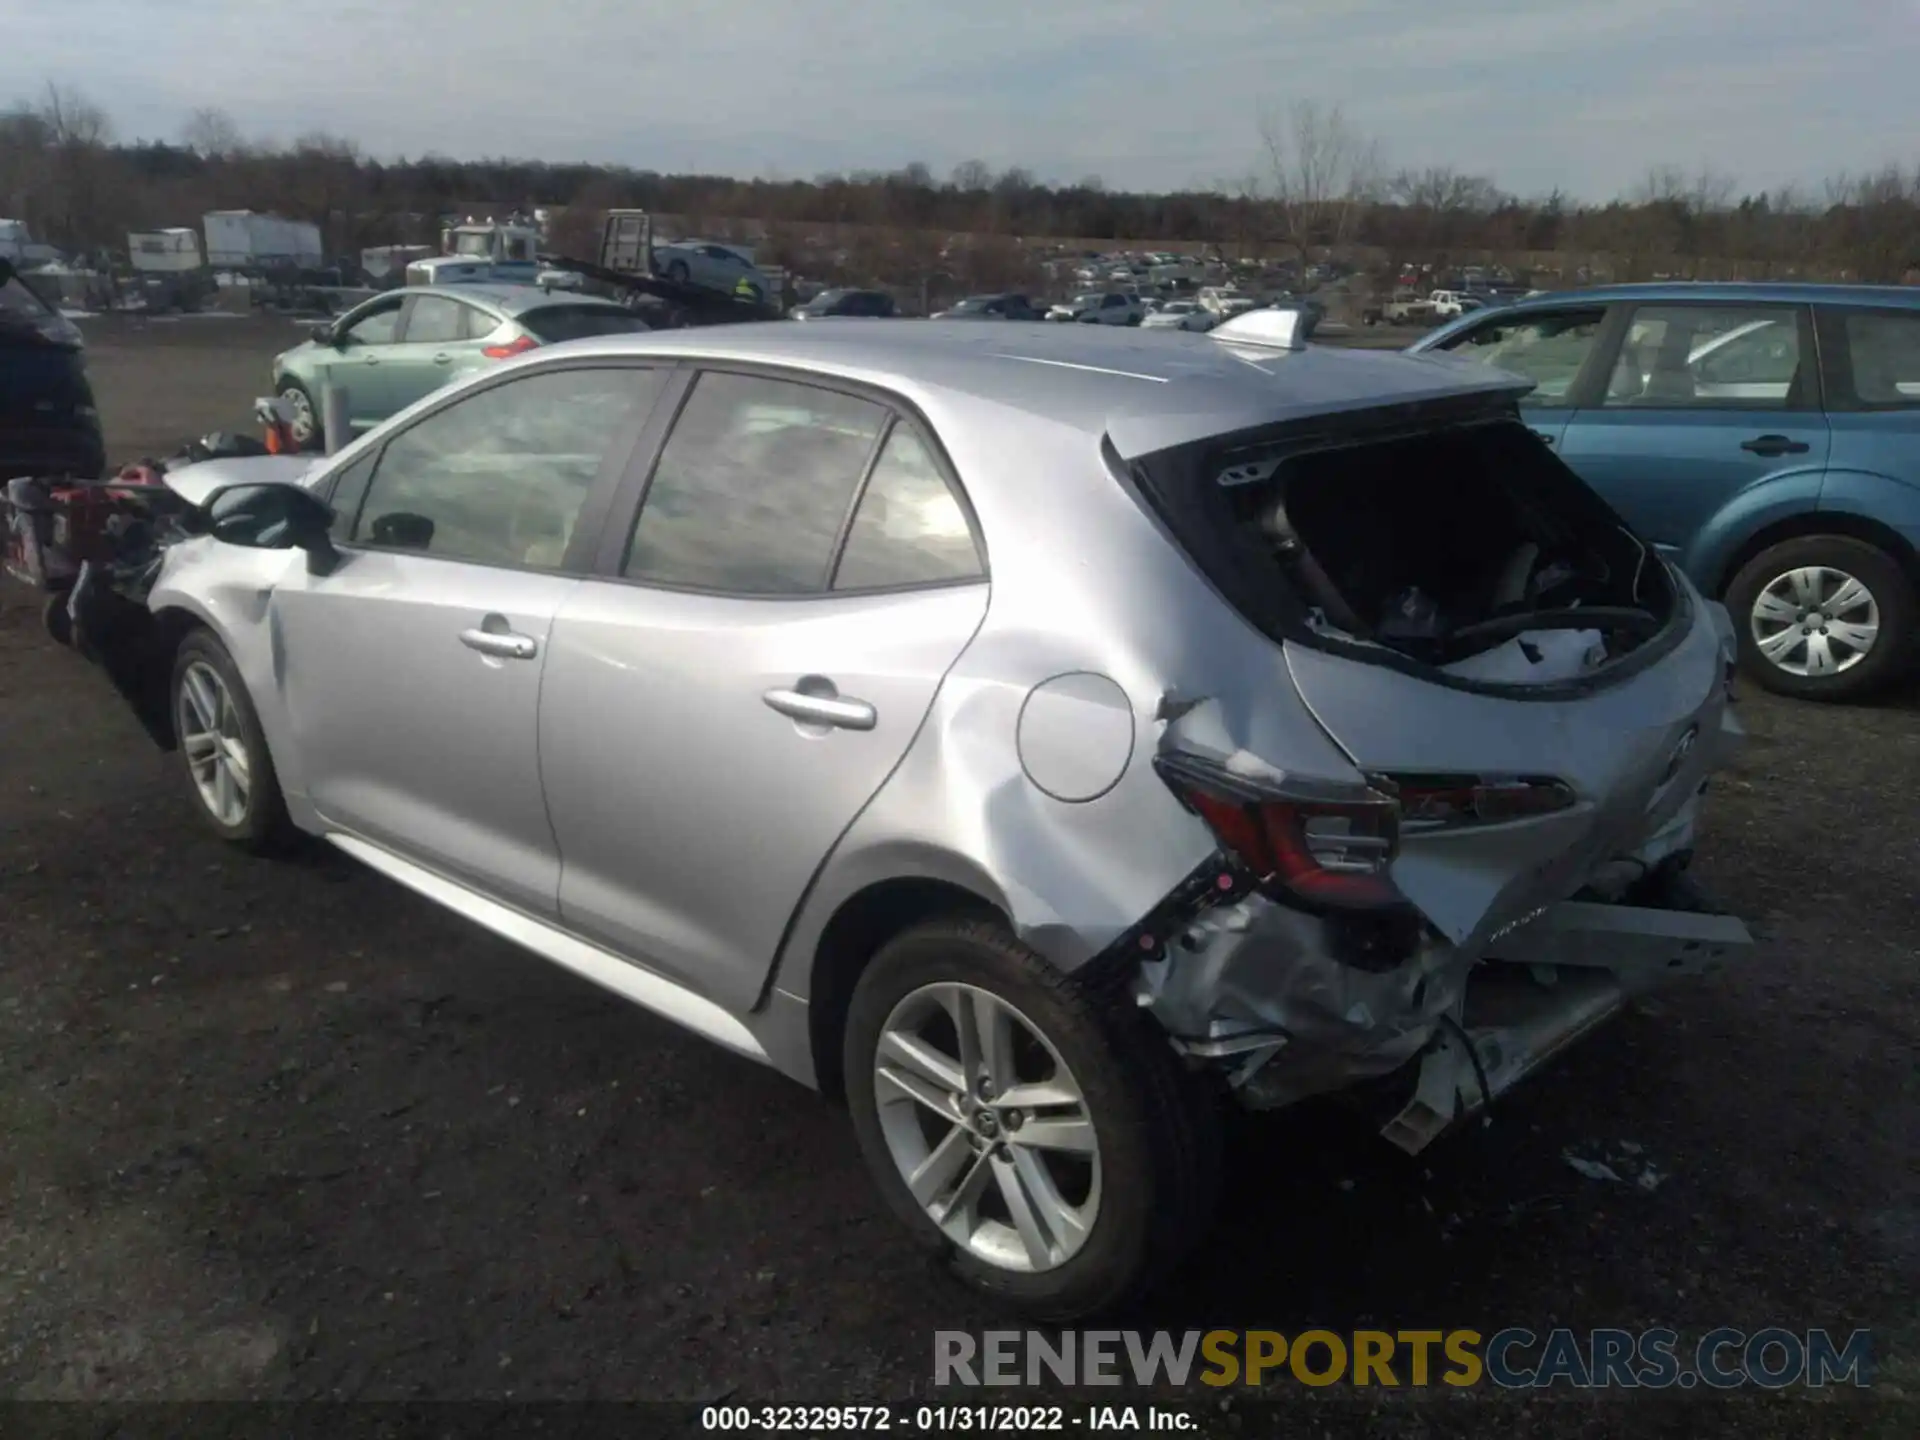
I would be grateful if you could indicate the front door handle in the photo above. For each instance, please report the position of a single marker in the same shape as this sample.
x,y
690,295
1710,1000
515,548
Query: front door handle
x,y
502,644
835,710
371,360
1771,445
443,359
1545,438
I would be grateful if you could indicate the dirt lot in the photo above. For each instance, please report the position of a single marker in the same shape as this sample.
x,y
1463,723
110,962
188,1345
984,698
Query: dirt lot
x,y
285,1131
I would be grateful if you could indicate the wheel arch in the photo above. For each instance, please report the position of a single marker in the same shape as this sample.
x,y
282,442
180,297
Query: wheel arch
x,y
1846,523
857,930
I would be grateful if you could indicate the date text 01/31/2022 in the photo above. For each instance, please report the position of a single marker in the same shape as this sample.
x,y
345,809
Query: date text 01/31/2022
x,y
939,1419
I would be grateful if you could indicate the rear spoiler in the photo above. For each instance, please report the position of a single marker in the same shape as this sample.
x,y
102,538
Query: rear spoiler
x,y
693,304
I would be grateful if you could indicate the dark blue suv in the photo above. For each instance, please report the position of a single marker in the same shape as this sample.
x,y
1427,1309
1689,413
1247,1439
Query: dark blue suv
x,y
48,424
1766,437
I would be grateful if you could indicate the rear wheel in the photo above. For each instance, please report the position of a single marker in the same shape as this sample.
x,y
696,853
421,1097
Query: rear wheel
x,y
229,772
305,425
1823,617
1048,1145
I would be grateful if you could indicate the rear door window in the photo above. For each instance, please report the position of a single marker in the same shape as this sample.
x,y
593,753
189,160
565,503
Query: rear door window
x,y
1880,352
1709,356
1547,349
910,528
752,486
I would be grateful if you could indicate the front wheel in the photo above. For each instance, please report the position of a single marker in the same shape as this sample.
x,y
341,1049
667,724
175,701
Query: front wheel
x,y
305,426
1823,617
1047,1144
223,750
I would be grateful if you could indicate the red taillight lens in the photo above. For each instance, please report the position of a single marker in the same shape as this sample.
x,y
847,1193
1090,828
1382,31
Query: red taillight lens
x,y
510,349
1327,846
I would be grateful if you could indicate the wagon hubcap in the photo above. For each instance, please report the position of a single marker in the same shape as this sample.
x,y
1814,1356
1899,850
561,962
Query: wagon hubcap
x,y
302,423
988,1127
215,748
1815,621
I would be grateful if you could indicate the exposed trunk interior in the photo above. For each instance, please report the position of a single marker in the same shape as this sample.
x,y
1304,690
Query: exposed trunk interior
x,y
1467,546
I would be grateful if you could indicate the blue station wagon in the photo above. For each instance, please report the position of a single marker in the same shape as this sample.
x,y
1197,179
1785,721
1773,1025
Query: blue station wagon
x,y
1766,437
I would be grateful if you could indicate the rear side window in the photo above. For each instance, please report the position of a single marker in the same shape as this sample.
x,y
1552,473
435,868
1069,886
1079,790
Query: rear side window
x,y
1882,350
19,305
555,323
1692,356
751,488
909,529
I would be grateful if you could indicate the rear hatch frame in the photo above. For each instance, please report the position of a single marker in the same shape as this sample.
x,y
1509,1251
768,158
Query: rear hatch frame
x,y
1172,488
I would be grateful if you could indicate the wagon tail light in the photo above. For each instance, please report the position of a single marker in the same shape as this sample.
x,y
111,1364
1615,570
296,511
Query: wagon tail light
x,y
1322,845
511,348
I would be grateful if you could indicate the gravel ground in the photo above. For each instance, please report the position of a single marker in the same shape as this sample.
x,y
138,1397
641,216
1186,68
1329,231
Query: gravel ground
x,y
284,1131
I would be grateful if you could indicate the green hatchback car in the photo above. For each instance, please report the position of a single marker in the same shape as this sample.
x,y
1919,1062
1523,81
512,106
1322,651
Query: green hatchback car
x,y
394,349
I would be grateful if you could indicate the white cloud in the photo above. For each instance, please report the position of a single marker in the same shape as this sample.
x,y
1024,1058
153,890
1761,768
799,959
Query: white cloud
x,y
1536,92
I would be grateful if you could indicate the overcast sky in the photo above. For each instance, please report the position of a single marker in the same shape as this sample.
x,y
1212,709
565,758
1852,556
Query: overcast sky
x,y
1148,94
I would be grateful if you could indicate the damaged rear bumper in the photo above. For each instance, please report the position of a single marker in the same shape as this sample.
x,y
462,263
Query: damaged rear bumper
x,y
1263,992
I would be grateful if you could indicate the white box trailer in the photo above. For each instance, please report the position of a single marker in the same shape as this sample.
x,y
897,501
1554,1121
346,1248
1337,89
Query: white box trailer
x,y
164,252
245,239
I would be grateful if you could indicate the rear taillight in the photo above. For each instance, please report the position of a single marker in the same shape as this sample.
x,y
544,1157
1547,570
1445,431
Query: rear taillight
x,y
1445,802
510,349
1327,846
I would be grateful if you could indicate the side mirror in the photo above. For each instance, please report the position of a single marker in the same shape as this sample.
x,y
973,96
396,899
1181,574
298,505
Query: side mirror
x,y
273,517
323,333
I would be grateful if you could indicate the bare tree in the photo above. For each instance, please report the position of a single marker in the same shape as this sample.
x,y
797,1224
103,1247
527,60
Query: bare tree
x,y
74,122
211,133
1320,171
971,176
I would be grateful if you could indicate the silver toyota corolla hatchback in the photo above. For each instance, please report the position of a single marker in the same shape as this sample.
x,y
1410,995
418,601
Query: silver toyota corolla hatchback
x,y
1038,737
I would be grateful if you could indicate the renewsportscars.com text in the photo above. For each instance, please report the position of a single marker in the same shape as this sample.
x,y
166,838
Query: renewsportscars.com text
x,y
1513,1358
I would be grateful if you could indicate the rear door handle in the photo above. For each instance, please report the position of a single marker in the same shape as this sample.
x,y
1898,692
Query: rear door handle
x,y
1775,445
443,359
834,710
503,644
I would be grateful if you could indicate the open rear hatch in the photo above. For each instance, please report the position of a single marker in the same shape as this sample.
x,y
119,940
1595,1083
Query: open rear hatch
x,y
1477,630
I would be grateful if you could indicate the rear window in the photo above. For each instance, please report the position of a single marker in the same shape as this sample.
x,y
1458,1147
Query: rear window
x,y
1883,353
1425,533
19,305
555,323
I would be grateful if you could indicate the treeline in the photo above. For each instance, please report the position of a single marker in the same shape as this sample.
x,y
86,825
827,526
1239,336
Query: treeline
x,y
1320,186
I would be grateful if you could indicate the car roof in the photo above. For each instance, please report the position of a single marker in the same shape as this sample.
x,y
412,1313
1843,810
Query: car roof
x,y
1778,292
1145,392
511,299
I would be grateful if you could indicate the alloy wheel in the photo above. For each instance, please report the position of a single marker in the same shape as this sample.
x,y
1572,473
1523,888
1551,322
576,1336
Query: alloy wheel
x,y
215,746
1815,621
988,1127
302,423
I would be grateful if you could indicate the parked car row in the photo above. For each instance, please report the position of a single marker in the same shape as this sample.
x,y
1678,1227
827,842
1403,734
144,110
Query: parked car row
x,y
1762,436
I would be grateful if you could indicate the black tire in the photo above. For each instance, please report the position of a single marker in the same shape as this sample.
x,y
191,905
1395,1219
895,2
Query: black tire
x,y
1893,592
263,827
315,442
54,616
1156,1124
